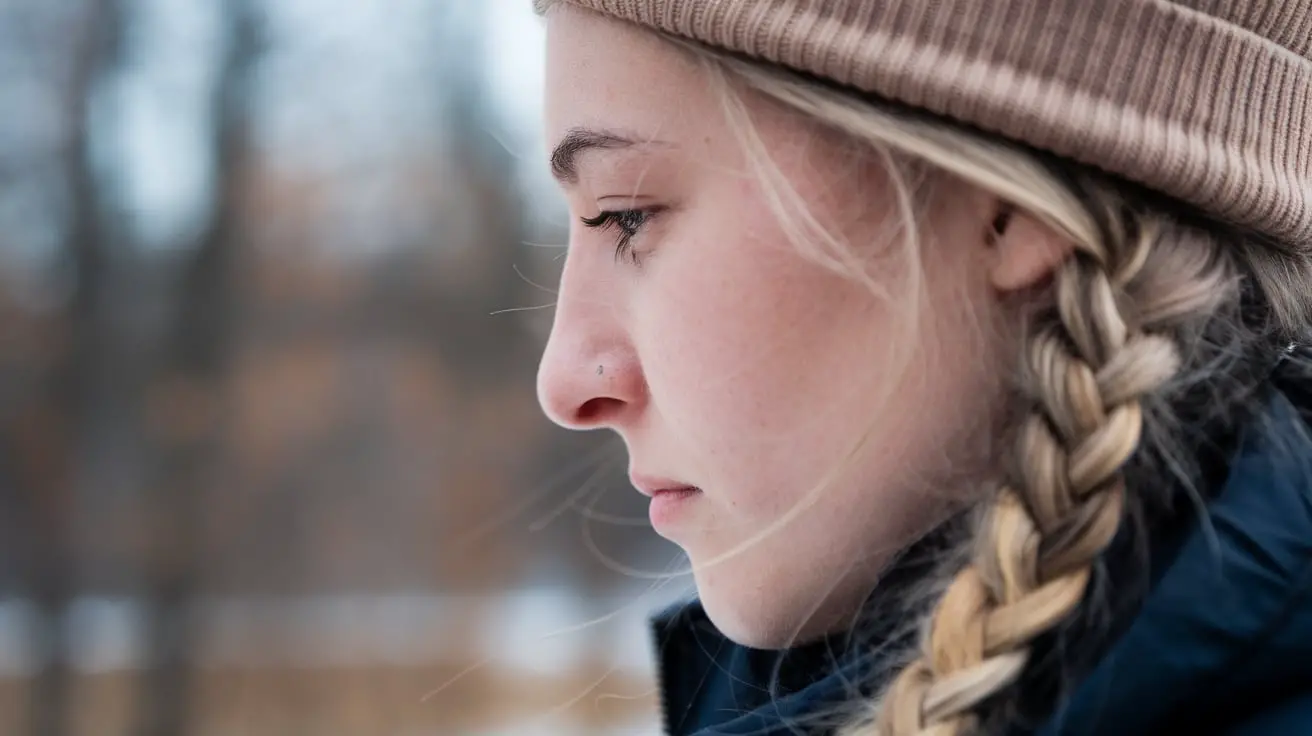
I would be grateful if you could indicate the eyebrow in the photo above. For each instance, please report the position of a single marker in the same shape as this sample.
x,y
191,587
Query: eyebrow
x,y
564,158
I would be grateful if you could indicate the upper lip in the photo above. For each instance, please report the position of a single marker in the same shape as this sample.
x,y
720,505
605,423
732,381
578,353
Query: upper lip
x,y
650,485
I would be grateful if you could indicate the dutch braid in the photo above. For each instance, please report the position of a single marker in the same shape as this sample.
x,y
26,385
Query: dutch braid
x,y
1105,345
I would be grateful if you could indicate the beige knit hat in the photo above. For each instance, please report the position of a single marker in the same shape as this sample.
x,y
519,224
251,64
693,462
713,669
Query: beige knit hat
x,y
1209,101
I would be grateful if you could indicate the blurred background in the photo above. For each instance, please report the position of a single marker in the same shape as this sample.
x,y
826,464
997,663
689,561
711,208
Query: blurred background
x,y
274,275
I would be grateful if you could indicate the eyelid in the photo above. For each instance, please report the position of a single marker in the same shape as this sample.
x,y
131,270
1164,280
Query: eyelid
x,y
610,211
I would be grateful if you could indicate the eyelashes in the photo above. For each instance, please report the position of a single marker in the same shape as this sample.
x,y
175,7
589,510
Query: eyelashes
x,y
626,224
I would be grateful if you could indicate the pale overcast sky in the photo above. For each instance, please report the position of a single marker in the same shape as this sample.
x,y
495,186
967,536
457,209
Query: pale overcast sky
x,y
333,82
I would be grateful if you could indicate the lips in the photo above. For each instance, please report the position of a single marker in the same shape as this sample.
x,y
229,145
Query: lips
x,y
654,486
676,492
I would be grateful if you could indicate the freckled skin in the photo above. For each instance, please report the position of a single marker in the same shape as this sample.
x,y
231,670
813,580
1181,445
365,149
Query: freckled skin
x,y
734,364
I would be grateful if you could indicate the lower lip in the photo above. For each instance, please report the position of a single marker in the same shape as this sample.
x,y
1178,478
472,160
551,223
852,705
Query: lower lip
x,y
668,506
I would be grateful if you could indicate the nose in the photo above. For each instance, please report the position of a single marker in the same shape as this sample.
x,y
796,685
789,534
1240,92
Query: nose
x,y
590,376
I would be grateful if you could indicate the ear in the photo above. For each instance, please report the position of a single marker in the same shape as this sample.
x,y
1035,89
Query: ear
x,y
1023,251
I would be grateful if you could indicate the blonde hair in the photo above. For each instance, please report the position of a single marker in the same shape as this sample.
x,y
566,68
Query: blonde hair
x,y
1135,317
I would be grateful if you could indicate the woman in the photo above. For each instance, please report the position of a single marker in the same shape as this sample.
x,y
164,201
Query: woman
x,y
959,346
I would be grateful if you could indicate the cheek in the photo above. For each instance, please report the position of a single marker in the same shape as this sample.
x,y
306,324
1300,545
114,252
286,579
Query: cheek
x,y
749,349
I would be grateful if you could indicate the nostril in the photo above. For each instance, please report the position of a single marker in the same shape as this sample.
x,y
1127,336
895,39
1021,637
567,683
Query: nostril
x,y
594,410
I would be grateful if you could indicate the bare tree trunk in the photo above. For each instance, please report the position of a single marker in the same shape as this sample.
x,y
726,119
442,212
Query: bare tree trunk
x,y
187,407
51,433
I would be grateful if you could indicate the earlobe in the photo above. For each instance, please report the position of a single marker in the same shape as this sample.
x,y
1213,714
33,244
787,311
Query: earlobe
x,y
1024,251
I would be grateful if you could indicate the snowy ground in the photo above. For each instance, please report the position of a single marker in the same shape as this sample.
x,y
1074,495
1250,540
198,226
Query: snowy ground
x,y
542,630
550,634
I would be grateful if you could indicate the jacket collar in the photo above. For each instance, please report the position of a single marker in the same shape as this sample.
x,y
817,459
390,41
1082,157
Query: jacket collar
x,y
1228,625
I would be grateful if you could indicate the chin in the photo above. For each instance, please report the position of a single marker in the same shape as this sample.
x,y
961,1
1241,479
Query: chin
x,y
764,614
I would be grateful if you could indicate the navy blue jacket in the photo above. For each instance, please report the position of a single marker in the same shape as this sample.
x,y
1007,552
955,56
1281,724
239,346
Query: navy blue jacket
x,y
1222,643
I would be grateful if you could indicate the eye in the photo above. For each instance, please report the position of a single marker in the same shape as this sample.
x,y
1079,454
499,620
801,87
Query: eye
x,y
627,223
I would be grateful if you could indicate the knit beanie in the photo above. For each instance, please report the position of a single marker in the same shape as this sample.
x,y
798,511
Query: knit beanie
x,y
1207,101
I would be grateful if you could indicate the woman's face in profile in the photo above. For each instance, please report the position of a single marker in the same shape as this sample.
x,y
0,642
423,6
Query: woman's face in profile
x,y
689,323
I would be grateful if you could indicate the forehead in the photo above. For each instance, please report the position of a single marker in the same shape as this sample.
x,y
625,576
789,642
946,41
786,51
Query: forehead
x,y
605,74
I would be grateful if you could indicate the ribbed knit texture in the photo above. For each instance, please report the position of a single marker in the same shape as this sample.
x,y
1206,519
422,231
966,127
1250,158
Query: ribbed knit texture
x,y
1209,101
